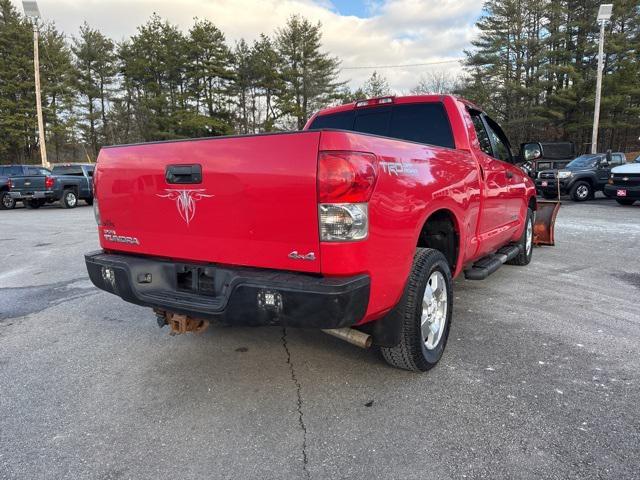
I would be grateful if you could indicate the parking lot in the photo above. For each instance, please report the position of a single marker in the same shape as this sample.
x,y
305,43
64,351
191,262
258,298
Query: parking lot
x,y
540,379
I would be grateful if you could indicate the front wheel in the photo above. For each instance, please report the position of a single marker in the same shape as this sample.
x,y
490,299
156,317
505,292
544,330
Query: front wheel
x,y
525,242
6,201
581,191
425,310
625,201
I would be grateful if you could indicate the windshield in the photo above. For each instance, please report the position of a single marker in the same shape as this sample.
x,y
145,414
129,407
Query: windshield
x,y
584,161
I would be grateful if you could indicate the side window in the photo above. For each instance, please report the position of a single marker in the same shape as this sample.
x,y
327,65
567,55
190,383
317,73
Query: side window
x,y
616,159
37,171
481,132
500,142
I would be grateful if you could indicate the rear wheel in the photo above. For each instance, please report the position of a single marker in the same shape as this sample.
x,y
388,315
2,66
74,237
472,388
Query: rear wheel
x,y
425,309
581,191
6,201
69,199
625,201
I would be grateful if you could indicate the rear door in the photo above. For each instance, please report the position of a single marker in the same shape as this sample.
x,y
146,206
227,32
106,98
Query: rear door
x,y
515,195
493,214
232,200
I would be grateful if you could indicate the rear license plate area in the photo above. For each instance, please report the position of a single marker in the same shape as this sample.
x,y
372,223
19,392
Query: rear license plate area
x,y
198,280
544,184
621,193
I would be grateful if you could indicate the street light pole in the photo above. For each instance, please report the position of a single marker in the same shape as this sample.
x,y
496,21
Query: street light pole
x,y
36,67
604,14
32,12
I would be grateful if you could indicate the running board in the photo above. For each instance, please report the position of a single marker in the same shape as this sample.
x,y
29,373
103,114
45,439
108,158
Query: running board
x,y
489,264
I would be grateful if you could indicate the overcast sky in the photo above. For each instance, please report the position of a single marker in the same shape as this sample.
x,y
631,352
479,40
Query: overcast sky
x,y
360,32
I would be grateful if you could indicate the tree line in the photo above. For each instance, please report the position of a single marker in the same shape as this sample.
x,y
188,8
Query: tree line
x,y
532,67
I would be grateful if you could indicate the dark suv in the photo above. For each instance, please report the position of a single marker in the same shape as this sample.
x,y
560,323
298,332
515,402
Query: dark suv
x,y
581,178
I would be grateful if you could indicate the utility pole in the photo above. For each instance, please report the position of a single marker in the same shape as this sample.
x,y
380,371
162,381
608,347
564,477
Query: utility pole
x,y
604,14
32,12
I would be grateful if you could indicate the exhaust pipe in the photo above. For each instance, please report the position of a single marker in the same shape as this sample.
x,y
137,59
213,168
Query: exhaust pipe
x,y
352,336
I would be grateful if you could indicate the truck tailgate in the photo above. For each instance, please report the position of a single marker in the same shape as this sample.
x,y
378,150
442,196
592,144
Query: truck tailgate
x,y
254,204
29,184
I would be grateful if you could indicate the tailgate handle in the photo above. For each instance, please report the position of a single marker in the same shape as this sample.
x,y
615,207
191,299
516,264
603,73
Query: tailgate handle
x,y
183,174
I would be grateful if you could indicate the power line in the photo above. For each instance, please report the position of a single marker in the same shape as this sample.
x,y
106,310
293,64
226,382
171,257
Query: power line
x,y
402,66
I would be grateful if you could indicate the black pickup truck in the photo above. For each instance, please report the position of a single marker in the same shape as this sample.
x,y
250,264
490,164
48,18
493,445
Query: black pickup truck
x,y
581,178
7,172
66,183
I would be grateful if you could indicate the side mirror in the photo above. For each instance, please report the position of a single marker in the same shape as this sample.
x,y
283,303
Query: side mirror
x,y
531,151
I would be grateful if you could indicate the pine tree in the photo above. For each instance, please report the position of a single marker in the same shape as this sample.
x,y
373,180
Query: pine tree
x,y
309,75
18,128
376,86
95,64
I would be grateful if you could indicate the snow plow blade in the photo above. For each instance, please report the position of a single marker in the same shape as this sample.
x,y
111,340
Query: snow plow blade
x,y
544,226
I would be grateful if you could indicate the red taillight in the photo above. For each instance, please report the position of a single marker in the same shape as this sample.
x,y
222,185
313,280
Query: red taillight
x,y
346,177
9,184
48,183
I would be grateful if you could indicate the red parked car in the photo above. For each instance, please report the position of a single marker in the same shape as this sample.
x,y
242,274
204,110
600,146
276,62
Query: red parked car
x,y
356,225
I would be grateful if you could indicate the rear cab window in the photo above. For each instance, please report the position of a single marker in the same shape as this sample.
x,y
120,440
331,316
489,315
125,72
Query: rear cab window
x,y
68,170
426,123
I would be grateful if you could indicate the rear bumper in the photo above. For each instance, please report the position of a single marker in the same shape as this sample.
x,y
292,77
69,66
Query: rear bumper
x,y
631,191
47,195
233,295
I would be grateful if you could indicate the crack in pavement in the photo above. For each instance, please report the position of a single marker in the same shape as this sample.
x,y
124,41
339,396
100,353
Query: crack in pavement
x,y
294,378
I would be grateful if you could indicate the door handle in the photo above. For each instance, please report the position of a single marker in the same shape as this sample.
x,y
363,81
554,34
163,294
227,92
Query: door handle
x,y
183,174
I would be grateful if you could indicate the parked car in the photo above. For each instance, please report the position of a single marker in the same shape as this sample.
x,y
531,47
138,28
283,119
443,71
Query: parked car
x,y
581,178
549,156
66,183
361,220
7,202
624,183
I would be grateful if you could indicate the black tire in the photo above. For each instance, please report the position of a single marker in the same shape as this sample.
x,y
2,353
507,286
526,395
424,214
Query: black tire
x,y
32,204
625,201
525,242
6,201
549,196
69,198
412,352
581,191
89,201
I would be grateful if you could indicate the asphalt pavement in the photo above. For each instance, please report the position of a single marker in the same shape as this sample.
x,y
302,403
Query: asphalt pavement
x,y
540,379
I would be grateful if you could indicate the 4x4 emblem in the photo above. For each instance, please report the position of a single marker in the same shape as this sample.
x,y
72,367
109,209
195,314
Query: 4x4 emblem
x,y
185,201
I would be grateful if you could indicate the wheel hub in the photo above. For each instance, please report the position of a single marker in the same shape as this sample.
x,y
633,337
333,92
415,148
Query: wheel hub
x,y
434,310
583,191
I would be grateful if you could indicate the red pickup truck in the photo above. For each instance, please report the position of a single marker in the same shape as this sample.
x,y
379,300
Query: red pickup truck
x,y
355,225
